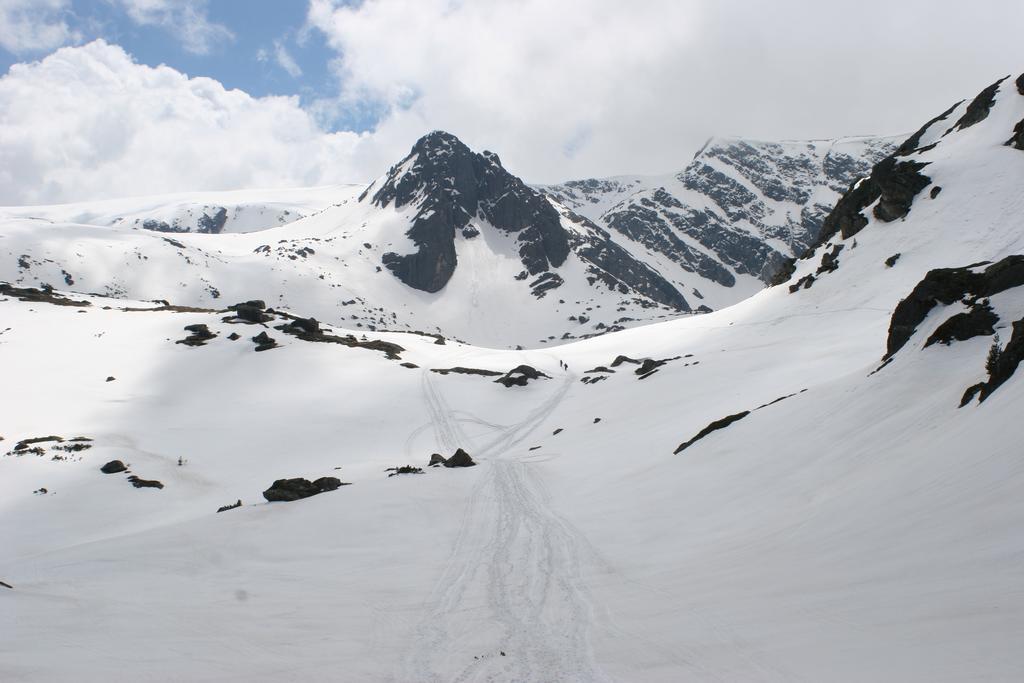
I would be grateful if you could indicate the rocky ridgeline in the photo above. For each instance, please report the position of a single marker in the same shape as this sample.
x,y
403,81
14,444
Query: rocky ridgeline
x,y
740,207
456,193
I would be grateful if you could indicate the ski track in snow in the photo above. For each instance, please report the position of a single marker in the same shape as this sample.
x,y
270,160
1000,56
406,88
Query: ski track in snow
x,y
513,578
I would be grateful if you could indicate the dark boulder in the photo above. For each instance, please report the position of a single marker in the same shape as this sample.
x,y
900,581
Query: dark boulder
x,y
327,483
520,375
404,469
225,508
286,490
898,184
308,326
145,483
250,314
199,334
459,459
436,459
1017,139
113,467
264,341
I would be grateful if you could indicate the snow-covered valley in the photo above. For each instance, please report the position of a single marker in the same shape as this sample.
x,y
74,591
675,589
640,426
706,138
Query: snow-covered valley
x,y
799,486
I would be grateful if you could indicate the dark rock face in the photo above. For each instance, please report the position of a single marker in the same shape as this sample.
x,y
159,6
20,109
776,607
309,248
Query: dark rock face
x,y
979,107
451,186
295,489
946,286
892,182
113,467
714,426
212,224
545,283
898,183
1020,84
1000,366
911,144
611,265
1017,139
460,459
980,320
520,375
759,175
436,459
830,260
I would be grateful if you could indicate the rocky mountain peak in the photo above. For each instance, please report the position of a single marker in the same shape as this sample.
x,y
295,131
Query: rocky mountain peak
x,y
456,191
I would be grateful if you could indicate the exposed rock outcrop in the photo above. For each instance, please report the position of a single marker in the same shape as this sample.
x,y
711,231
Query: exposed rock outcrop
x,y
295,489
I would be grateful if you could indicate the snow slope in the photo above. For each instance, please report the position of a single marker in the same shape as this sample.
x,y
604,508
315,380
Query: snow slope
x,y
243,210
864,527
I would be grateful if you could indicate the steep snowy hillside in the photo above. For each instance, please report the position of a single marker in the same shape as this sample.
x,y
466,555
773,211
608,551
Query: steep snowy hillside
x,y
734,214
819,483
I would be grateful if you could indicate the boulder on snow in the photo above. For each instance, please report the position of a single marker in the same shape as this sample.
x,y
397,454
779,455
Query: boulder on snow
x,y
225,508
435,460
250,311
264,341
145,483
199,334
520,375
459,459
404,469
295,489
113,467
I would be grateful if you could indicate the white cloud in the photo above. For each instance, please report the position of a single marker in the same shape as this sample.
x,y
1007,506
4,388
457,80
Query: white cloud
x,y
285,60
28,26
186,19
88,122
564,88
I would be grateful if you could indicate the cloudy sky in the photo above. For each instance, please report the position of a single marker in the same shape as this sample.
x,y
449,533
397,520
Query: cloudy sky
x,y
105,98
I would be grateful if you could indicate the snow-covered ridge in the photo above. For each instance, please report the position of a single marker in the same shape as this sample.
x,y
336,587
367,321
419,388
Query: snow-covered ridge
x,y
736,211
201,212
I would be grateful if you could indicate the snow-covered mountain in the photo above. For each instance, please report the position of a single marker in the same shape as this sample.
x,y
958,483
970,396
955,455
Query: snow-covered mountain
x,y
821,482
735,213
448,241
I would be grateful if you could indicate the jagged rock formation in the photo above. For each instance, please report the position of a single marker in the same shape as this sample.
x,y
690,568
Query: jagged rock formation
x,y
457,192
739,208
450,186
